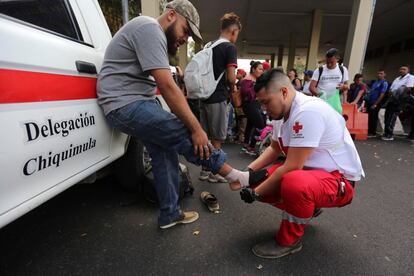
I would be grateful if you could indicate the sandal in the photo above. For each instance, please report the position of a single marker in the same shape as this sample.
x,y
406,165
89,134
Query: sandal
x,y
210,201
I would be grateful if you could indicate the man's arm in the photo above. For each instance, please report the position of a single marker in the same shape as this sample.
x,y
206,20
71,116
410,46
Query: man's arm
x,y
343,86
231,77
360,94
178,105
295,160
312,88
267,157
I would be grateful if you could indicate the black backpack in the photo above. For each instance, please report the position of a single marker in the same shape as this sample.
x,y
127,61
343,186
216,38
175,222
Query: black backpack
x,y
186,187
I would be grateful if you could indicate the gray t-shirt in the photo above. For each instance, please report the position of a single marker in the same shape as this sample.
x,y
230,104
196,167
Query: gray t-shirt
x,y
137,48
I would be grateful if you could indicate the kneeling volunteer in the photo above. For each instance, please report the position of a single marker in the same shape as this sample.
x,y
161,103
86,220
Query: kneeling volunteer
x,y
321,167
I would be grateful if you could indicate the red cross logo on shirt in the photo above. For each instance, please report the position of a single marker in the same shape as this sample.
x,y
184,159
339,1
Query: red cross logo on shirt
x,y
297,127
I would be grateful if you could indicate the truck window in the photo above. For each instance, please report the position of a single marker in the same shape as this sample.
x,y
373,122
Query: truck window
x,y
55,16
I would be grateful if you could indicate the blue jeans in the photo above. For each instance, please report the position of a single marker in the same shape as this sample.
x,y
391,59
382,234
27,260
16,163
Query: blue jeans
x,y
164,136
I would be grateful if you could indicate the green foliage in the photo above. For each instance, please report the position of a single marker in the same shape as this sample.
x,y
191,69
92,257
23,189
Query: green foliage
x,y
112,10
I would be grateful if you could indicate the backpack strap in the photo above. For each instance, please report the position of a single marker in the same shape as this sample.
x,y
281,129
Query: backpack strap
x,y
212,44
320,74
341,68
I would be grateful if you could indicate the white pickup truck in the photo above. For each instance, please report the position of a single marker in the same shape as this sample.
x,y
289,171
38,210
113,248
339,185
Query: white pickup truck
x,y
52,132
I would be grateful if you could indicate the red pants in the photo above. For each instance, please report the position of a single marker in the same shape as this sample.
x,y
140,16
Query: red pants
x,y
301,192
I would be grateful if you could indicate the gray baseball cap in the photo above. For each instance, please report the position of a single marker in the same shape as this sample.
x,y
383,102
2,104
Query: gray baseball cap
x,y
189,12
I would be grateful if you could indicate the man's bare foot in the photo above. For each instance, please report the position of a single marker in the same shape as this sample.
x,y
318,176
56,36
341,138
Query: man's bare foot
x,y
235,186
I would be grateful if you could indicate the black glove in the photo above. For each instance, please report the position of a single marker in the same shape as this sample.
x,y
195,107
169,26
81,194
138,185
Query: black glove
x,y
248,195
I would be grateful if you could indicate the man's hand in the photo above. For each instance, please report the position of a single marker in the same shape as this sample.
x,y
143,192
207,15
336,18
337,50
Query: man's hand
x,y
248,195
200,143
342,87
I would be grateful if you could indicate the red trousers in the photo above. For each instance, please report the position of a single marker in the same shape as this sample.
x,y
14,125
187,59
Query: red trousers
x,y
301,192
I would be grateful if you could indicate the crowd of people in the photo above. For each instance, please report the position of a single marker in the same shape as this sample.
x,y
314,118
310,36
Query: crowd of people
x,y
321,166
330,82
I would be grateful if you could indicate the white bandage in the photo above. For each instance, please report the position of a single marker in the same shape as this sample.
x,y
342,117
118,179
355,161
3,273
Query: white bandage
x,y
238,176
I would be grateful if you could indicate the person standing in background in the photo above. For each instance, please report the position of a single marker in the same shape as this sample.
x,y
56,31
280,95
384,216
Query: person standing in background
x,y
330,80
213,111
251,107
307,76
293,76
393,107
375,97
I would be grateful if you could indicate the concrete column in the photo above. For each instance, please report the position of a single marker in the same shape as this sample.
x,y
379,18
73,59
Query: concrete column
x,y
125,11
292,51
182,56
280,55
312,59
150,8
358,34
272,60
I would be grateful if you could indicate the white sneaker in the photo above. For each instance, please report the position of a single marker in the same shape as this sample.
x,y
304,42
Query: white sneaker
x,y
385,138
216,178
204,175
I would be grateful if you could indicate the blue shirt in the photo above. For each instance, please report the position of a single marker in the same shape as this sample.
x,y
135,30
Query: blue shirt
x,y
378,87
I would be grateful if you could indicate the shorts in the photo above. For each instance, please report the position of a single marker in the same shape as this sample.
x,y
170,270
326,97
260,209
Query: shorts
x,y
214,120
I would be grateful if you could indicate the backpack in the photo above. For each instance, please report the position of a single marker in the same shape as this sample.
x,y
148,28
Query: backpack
x,y
185,187
199,74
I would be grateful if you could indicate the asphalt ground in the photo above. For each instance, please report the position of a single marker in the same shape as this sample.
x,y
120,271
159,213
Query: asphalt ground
x,y
99,229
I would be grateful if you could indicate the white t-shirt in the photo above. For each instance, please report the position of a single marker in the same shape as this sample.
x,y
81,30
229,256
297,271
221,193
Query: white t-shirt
x,y
330,79
407,80
314,123
276,129
305,89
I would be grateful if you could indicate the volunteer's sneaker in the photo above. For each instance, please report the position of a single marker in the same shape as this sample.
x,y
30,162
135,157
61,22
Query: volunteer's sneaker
x,y
372,135
216,178
317,212
204,175
387,138
272,250
183,218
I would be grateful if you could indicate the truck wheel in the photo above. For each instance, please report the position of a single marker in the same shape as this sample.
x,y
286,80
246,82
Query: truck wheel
x,y
130,169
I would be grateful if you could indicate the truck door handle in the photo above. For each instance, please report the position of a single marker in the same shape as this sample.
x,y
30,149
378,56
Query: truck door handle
x,y
85,67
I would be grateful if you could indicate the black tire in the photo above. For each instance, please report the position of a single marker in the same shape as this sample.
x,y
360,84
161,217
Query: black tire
x,y
130,169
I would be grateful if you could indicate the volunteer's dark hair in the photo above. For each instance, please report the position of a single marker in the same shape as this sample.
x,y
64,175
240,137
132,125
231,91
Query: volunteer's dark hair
x,y
230,19
294,70
264,79
333,52
405,65
254,65
357,76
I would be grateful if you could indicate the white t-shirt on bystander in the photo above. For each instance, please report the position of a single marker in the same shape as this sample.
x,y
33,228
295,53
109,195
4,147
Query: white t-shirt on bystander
x,y
407,80
330,79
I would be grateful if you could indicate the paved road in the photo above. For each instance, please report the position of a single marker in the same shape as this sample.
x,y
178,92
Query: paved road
x,y
100,229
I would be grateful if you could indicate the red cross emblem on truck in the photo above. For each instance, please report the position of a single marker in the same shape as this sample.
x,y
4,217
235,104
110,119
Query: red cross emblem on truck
x,y
297,127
